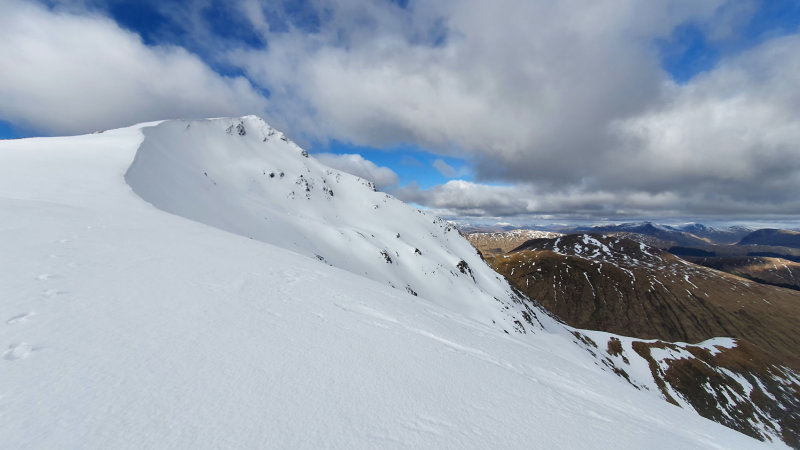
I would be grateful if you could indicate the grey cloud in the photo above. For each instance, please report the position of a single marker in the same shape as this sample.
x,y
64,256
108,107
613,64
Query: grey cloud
x,y
566,101
383,177
463,198
543,86
458,198
446,170
732,131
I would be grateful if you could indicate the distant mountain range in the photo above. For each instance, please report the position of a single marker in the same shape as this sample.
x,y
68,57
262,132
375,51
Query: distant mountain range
x,y
689,234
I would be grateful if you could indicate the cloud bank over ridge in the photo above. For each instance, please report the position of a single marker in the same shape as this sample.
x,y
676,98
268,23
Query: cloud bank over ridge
x,y
561,108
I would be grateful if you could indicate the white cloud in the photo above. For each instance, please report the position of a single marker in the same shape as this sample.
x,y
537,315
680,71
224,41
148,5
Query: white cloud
x,y
732,131
67,73
464,198
355,164
564,101
524,86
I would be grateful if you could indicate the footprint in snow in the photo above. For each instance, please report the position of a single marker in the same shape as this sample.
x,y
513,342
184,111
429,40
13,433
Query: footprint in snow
x,y
20,318
18,351
44,277
49,293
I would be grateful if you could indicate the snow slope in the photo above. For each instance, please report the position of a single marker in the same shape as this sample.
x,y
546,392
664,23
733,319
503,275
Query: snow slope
x,y
242,176
127,327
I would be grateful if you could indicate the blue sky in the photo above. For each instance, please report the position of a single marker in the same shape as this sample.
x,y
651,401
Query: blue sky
x,y
688,51
7,131
412,164
541,110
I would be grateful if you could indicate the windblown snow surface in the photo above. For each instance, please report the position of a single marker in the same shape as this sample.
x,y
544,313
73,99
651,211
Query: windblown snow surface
x,y
205,285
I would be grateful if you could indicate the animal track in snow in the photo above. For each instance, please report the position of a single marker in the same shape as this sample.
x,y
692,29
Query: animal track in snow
x,y
18,351
20,318
45,277
425,424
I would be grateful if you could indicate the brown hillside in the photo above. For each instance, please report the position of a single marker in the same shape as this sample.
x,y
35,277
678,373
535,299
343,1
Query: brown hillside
x,y
497,243
775,271
624,287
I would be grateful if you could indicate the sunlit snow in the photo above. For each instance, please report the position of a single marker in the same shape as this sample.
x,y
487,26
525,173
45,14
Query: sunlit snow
x,y
160,289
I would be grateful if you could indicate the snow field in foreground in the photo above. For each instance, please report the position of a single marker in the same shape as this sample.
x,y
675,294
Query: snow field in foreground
x,y
122,326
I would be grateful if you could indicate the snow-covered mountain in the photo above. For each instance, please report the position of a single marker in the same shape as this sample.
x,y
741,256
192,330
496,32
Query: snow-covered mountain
x,y
253,181
691,234
280,304
717,235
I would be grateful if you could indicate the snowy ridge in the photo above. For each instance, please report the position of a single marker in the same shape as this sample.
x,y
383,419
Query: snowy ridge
x,y
516,234
126,327
243,176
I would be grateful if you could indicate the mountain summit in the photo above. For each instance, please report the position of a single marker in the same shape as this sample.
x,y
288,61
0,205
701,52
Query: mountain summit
x,y
243,176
